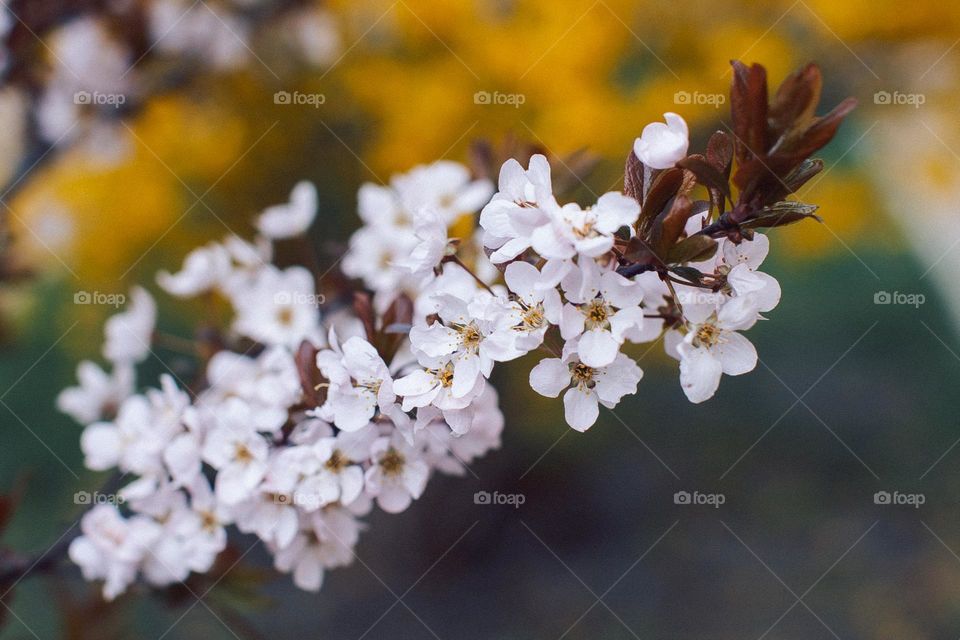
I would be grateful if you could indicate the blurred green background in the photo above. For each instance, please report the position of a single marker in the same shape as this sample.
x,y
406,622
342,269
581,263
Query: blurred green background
x,y
851,397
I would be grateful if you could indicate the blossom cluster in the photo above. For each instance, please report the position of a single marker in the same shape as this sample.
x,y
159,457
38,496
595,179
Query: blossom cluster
x,y
300,422
98,67
250,449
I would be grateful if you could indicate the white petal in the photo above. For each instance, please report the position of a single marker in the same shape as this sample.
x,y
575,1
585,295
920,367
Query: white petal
x,y
580,408
598,348
737,354
628,324
616,210
510,250
465,374
101,446
594,246
351,484
700,373
393,499
748,252
308,575
435,341
522,278
550,377
415,475
619,291
618,380
351,411
546,241
571,322
414,384
738,313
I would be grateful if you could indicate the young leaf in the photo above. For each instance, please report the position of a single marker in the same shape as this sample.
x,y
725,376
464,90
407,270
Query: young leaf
x,y
692,249
633,177
781,214
668,226
664,187
748,108
706,173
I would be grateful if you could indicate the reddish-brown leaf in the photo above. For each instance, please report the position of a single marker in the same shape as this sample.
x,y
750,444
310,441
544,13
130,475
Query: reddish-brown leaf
x,y
707,174
363,307
633,177
668,227
308,373
796,99
664,186
748,108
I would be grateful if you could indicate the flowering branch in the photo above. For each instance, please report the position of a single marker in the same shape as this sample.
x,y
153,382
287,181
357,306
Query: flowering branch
x,y
296,437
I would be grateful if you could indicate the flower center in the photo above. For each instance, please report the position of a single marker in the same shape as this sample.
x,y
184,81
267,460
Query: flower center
x,y
533,317
470,336
285,316
392,462
208,521
598,314
373,386
708,335
337,462
242,454
582,375
585,231
445,376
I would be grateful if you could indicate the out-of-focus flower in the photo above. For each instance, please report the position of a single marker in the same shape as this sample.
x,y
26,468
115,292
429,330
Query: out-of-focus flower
x,y
278,307
98,393
129,333
112,547
293,218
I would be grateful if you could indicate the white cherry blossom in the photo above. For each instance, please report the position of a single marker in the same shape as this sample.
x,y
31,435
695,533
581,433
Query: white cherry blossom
x,y
112,547
589,232
661,146
586,387
712,347
359,384
237,451
398,475
475,333
135,440
537,307
325,541
523,204
603,311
